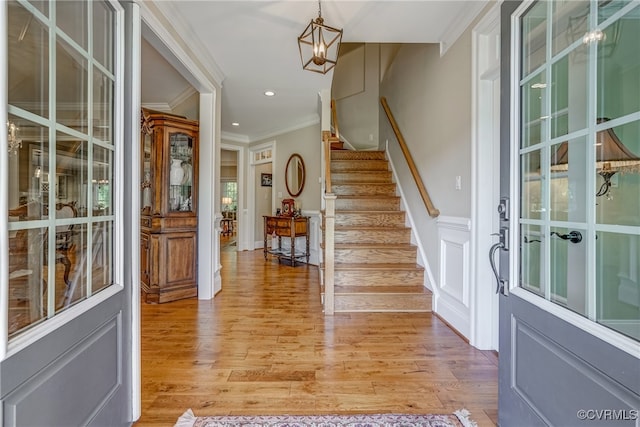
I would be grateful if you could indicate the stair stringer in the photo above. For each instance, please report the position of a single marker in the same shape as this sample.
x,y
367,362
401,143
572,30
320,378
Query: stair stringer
x,y
429,280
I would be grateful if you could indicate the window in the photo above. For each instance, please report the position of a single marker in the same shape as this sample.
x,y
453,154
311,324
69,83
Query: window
x,y
579,156
61,104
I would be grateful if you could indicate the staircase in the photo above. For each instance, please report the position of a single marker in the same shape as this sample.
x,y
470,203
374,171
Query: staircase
x,y
375,266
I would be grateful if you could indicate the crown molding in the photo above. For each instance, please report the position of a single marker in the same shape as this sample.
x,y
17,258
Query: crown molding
x,y
460,23
166,36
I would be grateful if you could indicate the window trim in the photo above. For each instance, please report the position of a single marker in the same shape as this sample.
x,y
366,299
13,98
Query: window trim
x,y
9,347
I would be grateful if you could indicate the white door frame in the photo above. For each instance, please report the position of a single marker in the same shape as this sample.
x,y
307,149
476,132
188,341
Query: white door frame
x,y
251,188
241,219
485,163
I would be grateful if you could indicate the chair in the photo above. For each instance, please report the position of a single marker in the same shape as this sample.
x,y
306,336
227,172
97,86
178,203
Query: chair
x,y
64,237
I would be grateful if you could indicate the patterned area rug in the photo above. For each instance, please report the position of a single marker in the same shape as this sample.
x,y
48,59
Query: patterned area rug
x,y
458,419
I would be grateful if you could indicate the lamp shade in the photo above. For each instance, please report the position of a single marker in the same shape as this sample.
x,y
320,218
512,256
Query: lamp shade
x,y
319,46
227,200
611,154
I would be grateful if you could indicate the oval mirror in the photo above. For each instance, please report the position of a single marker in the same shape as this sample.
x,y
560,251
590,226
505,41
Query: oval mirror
x,y
294,175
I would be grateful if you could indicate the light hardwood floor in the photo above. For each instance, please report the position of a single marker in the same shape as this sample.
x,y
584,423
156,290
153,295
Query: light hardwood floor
x,y
263,346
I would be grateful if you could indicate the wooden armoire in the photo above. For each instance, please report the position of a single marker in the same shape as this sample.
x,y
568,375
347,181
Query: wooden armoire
x,y
169,206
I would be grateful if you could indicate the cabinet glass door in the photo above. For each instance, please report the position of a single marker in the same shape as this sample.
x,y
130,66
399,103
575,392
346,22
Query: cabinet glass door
x,y
147,172
180,172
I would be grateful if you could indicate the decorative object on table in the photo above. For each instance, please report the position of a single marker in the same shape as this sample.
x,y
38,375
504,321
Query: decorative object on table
x,y
611,156
266,179
459,418
319,45
288,206
177,173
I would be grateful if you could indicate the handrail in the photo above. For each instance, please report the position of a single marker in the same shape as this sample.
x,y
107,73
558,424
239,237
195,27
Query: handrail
x,y
326,140
433,212
334,119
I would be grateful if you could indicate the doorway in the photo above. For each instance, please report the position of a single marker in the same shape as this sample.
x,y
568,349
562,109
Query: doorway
x,y
260,195
232,198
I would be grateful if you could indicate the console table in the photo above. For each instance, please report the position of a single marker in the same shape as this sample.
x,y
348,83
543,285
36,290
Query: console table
x,y
289,227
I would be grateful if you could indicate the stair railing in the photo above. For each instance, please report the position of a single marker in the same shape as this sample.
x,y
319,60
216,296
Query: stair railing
x,y
433,212
334,119
329,227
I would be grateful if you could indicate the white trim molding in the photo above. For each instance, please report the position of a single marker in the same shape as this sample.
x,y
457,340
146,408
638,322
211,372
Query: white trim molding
x,y
452,301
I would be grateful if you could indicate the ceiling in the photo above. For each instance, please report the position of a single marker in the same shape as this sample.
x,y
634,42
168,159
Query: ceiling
x,y
251,46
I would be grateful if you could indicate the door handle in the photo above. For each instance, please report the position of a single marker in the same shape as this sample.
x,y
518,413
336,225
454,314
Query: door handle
x,y
492,252
502,244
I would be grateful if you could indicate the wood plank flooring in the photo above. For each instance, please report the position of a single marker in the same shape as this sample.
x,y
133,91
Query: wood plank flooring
x,y
263,346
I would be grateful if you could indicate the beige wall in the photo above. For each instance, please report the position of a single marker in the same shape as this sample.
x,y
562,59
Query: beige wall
x,y
430,97
355,89
307,143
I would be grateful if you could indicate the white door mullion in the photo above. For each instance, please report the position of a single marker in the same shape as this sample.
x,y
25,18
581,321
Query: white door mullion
x,y
591,241
545,157
88,257
51,253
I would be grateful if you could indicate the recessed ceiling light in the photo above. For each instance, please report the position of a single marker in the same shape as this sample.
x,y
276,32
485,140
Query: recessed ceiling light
x,y
269,93
235,124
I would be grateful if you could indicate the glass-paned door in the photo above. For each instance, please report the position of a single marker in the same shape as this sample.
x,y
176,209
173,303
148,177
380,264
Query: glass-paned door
x,y
574,302
65,332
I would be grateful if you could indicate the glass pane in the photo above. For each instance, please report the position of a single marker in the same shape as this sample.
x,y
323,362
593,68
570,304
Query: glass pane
x,y
606,9
568,285
568,177
28,177
570,23
618,155
102,107
71,87
41,5
147,173
534,37
531,260
531,188
71,254
27,278
28,65
71,16
102,181
533,111
619,68
102,256
71,173
181,171
103,34
618,282
569,82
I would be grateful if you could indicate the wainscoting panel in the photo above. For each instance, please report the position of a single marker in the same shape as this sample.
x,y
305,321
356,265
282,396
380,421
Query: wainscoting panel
x,y
452,296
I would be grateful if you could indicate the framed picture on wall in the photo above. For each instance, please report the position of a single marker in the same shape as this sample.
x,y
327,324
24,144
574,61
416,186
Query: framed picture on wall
x,y
265,179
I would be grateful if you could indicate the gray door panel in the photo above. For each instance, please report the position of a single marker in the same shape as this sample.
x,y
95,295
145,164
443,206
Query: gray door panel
x,y
68,376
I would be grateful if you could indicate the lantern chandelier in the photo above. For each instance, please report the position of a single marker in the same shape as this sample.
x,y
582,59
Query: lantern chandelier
x,y
13,142
319,45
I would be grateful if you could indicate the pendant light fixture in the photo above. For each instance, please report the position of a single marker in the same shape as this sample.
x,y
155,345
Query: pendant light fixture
x,y
319,45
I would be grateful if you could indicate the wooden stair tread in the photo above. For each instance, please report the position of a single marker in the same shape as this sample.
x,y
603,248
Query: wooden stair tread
x,y
387,290
373,246
379,267
367,196
369,228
